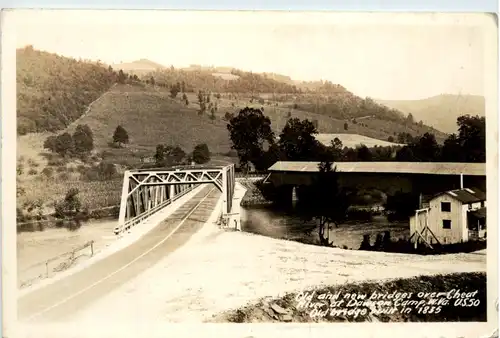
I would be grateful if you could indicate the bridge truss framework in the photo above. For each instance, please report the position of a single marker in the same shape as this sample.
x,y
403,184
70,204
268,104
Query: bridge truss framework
x,y
146,191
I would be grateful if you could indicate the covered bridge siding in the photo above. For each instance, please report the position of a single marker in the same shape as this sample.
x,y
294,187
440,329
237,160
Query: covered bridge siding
x,y
389,177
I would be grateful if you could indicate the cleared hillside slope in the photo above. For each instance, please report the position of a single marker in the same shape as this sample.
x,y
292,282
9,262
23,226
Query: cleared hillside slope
x,y
151,117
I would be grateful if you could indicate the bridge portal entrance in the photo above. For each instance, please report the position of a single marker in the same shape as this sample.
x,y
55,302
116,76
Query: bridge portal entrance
x,y
147,191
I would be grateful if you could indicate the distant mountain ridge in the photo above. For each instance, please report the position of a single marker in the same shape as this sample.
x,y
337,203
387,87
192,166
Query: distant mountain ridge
x,y
440,111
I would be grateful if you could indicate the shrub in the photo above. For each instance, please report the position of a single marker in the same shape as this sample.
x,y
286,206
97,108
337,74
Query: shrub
x,y
33,163
32,172
55,162
64,176
201,154
20,169
102,172
48,172
81,169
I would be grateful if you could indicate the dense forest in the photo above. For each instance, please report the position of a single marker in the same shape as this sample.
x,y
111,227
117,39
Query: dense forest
x,y
53,91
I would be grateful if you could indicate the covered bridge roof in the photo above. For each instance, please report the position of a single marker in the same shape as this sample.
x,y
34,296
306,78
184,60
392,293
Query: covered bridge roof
x,y
434,168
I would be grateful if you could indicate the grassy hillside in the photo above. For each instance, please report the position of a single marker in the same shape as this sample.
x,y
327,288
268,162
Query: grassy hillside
x,y
53,91
151,117
440,111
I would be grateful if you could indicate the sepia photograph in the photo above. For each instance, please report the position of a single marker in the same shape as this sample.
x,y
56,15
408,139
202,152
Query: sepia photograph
x,y
252,168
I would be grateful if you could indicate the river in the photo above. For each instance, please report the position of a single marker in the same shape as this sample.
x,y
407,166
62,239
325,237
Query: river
x,y
287,224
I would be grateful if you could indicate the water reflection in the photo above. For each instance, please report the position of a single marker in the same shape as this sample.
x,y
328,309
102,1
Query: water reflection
x,y
285,222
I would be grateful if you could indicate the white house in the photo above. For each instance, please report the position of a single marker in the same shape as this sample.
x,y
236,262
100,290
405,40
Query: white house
x,y
451,217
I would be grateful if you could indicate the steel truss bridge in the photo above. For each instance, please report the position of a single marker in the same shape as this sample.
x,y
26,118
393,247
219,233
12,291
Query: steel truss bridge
x,y
147,191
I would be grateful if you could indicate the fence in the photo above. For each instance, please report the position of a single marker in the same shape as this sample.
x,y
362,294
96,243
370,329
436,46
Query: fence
x,y
44,269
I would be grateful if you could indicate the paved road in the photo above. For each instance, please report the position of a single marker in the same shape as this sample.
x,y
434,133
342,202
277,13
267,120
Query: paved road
x,y
60,300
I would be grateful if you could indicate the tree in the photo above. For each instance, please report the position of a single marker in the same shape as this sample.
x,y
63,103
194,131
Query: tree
x,y
346,126
169,155
121,76
410,119
364,154
64,145
152,81
228,116
297,140
405,154
50,143
212,114
83,139
336,149
324,201
390,139
249,131
160,154
185,99
201,154
452,150
120,136
426,148
70,205
175,90
472,137
405,138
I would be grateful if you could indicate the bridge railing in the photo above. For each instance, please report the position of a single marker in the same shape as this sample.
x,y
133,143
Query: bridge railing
x,y
138,219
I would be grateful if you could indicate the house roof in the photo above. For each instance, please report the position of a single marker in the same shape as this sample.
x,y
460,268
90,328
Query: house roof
x,y
435,168
467,195
479,213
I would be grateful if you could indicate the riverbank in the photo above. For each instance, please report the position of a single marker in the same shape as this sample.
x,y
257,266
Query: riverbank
x,y
253,196
34,249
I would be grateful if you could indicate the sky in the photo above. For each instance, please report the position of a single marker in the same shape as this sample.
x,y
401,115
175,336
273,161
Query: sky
x,y
396,57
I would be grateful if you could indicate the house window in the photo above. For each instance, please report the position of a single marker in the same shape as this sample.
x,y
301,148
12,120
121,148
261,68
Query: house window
x,y
445,206
446,224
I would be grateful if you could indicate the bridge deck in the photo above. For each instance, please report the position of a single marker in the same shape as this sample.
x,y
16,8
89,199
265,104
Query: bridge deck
x,y
60,300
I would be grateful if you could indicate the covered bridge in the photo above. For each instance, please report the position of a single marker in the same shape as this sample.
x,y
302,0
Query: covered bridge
x,y
389,177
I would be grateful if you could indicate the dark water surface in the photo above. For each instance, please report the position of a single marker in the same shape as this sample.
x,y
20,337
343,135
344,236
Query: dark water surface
x,y
287,224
